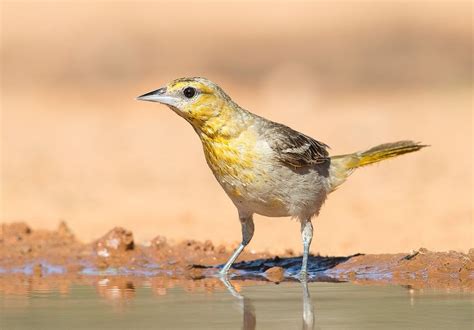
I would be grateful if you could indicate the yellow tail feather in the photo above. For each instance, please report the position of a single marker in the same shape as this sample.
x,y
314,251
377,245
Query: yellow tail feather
x,y
343,165
381,152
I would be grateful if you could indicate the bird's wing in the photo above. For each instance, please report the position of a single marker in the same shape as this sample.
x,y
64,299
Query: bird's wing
x,y
294,148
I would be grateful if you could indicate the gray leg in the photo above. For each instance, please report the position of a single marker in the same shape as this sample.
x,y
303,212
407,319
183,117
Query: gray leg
x,y
306,236
247,233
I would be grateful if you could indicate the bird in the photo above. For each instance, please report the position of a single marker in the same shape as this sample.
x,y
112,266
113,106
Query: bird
x,y
265,167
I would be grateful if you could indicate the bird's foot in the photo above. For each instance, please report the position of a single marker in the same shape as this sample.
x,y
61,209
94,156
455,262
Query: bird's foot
x,y
223,272
303,276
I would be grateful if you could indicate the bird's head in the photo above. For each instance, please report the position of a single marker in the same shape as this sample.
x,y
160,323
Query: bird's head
x,y
198,100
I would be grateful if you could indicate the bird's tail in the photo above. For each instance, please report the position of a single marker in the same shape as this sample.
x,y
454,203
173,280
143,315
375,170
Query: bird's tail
x,y
343,165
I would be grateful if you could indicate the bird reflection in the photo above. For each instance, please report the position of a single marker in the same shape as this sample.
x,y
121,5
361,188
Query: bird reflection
x,y
308,308
245,304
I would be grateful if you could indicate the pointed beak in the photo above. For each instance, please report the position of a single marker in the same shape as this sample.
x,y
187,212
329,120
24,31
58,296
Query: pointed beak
x,y
158,96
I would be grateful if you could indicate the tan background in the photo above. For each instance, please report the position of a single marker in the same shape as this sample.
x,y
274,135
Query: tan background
x,y
77,146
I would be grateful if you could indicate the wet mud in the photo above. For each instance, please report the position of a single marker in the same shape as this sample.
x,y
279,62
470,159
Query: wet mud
x,y
38,256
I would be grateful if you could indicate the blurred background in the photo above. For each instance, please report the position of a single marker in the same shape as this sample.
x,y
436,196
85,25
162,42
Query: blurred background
x,y
76,146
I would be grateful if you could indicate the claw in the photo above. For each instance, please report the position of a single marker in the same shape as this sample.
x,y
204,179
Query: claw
x,y
303,276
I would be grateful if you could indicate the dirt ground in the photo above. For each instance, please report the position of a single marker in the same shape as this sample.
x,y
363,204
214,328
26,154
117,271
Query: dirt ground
x,y
44,256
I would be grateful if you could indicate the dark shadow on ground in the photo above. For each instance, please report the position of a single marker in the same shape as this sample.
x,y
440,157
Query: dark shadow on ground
x,y
255,269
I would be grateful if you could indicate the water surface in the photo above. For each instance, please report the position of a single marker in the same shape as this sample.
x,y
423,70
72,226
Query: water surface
x,y
122,303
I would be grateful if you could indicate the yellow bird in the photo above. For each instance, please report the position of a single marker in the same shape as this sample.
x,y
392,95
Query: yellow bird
x,y
264,167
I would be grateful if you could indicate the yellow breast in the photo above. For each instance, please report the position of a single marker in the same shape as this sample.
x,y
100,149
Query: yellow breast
x,y
232,159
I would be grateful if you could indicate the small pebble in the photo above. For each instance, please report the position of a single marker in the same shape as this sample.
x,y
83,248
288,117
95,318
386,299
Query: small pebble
x,y
275,274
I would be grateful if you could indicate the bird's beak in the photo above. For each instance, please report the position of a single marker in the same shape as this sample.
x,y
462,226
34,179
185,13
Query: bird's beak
x,y
159,96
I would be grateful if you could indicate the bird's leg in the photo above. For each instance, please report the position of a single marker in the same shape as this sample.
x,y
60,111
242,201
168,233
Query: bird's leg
x,y
247,233
306,236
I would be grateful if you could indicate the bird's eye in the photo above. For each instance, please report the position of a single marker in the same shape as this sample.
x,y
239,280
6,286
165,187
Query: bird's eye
x,y
189,92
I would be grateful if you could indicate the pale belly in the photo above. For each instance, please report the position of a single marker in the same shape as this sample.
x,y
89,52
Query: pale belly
x,y
277,191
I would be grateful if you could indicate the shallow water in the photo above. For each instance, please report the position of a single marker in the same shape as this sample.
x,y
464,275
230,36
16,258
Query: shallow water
x,y
122,303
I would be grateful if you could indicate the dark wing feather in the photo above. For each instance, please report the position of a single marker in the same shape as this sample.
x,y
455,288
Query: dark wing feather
x,y
294,148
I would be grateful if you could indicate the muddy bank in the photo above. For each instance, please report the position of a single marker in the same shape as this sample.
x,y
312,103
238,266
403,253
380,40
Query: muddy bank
x,y
41,254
